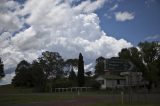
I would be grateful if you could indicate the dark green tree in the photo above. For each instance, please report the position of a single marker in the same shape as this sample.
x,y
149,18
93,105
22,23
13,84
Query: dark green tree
x,y
52,64
23,75
69,64
38,76
150,55
132,54
22,65
1,69
99,67
81,79
158,66
125,54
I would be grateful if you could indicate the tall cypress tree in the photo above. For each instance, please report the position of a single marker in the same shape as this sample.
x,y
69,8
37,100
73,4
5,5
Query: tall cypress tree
x,y
81,79
1,69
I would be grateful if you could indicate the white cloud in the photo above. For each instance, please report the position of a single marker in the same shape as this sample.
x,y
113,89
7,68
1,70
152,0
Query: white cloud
x,y
124,16
88,6
9,22
149,2
58,26
114,7
154,37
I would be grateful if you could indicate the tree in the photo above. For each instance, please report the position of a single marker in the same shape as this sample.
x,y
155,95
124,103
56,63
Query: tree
x,y
132,54
72,75
99,68
70,64
23,75
38,76
52,64
150,51
158,66
89,73
1,69
146,59
125,53
150,55
81,79
22,65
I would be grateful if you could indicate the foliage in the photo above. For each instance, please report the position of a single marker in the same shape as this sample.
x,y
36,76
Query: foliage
x,y
88,73
81,79
36,75
99,67
73,62
150,54
70,64
150,51
1,69
23,75
72,75
91,82
146,59
51,64
132,54
22,64
62,83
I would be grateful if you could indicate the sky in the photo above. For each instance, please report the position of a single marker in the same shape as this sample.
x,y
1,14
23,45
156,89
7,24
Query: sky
x,y
93,27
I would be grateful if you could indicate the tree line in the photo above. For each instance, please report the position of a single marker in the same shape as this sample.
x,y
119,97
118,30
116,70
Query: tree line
x,y
50,70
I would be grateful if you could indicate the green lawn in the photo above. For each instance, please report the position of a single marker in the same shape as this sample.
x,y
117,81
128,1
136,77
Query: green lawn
x,y
10,95
29,98
9,89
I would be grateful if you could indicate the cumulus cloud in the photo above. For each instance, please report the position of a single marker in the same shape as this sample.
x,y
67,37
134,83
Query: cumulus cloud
x,y
124,16
9,22
56,25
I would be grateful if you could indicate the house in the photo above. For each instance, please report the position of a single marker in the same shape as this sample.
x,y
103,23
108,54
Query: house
x,y
124,79
133,78
119,73
111,81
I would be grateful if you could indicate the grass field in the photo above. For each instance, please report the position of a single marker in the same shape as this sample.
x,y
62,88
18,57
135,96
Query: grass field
x,y
9,89
24,97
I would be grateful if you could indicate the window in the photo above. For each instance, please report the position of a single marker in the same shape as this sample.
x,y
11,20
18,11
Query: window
x,y
118,81
101,81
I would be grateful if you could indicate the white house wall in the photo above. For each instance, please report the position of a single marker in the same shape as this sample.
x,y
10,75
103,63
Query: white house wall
x,y
111,83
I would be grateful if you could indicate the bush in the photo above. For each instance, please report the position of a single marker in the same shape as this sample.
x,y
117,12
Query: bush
x,y
62,83
94,84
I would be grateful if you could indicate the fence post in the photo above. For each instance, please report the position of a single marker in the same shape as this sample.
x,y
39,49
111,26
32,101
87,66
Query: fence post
x,y
122,97
78,92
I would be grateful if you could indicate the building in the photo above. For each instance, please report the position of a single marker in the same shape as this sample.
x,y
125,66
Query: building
x,y
119,73
111,81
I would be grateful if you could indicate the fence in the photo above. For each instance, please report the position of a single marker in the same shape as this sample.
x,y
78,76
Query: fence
x,y
73,89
